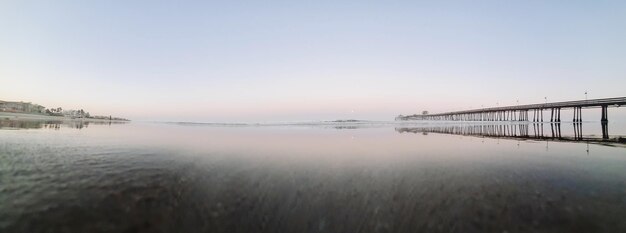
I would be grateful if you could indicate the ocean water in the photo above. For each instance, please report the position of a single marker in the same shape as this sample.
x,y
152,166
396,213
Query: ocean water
x,y
313,177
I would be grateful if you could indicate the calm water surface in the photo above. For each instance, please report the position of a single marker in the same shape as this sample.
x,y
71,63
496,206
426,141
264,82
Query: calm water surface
x,y
427,177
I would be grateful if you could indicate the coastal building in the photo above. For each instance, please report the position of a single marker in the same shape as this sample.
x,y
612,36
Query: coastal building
x,y
71,113
21,107
75,113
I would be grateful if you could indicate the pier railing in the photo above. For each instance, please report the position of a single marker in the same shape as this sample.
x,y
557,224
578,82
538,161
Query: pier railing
x,y
521,112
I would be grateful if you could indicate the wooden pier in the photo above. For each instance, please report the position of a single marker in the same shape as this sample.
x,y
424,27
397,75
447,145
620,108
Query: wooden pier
x,y
524,112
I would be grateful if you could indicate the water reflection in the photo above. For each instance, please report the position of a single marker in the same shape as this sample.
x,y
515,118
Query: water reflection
x,y
145,177
534,131
556,131
52,124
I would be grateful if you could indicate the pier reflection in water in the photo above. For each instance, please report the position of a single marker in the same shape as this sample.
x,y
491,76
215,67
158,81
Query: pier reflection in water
x,y
529,131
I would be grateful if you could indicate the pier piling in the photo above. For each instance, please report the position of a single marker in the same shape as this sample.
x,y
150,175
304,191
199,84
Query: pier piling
x,y
521,112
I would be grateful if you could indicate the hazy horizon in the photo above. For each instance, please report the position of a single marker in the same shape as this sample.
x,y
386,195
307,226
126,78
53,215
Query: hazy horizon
x,y
288,61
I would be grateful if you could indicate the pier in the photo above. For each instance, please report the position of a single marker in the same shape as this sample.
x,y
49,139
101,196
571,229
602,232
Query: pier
x,y
527,112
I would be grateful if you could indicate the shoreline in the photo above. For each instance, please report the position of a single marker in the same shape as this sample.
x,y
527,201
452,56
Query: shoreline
x,y
38,117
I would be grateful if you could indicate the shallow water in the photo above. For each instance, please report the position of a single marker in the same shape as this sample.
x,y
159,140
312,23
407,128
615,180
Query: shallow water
x,y
370,177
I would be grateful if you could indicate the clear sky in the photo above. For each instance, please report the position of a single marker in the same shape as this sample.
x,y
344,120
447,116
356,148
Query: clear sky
x,y
234,61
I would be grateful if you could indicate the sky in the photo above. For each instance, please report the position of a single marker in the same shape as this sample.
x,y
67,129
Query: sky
x,y
267,61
